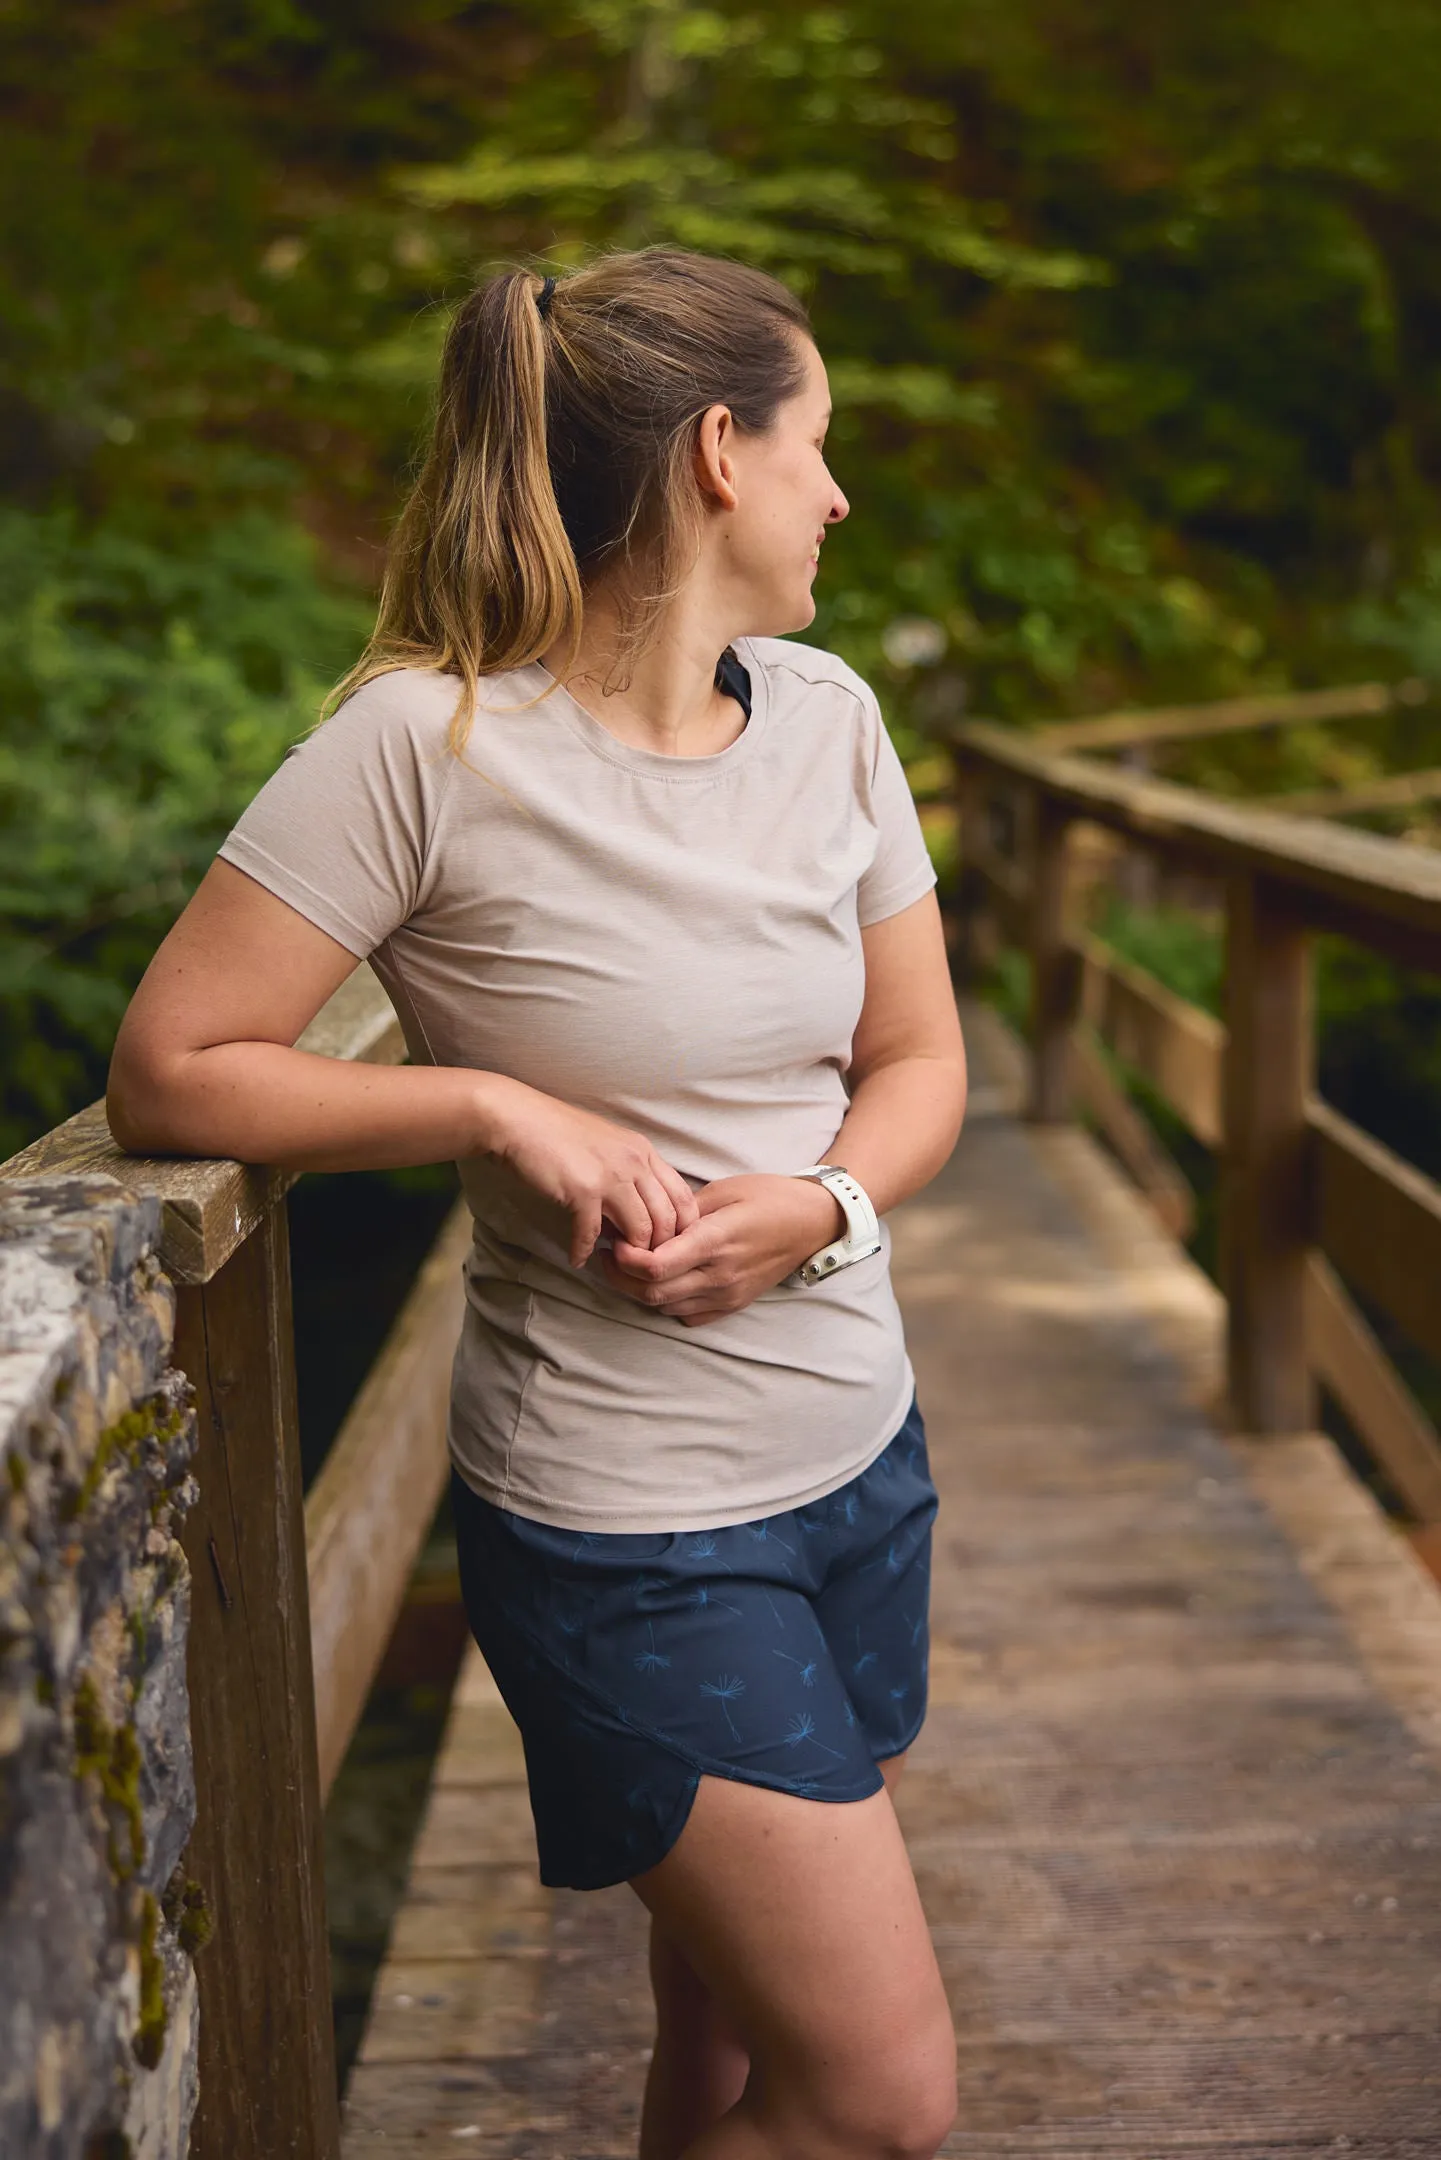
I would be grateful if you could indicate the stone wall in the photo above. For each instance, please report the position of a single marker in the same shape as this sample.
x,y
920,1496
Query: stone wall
x,y
98,1923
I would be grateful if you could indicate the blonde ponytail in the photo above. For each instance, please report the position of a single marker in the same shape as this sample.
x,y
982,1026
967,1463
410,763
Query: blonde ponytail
x,y
561,451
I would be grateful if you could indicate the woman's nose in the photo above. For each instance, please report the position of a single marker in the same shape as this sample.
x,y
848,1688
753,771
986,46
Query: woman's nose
x,y
839,509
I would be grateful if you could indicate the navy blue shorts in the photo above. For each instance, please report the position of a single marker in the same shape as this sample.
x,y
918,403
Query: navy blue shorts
x,y
788,1652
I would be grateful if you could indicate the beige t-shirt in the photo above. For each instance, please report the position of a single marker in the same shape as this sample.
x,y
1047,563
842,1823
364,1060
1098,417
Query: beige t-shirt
x,y
673,943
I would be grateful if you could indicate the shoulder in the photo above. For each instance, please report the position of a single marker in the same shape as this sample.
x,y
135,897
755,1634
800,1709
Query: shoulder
x,y
809,672
406,704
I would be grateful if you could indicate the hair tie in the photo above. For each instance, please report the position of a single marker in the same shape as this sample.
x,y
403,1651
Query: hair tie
x,y
543,298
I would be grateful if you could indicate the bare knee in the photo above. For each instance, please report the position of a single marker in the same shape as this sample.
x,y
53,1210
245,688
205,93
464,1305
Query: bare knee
x,y
893,2101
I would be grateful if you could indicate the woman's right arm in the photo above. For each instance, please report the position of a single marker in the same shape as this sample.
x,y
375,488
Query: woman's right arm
x,y
204,1065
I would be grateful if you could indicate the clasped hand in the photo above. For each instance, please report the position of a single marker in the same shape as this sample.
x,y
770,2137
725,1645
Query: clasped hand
x,y
749,1233
695,1256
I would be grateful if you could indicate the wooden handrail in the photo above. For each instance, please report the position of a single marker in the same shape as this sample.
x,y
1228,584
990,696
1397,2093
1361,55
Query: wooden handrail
x,y
1300,1181
1388,791
1380,1220
367,1514
1358,884
1227,716
209,1208
1351,1362
1174,1045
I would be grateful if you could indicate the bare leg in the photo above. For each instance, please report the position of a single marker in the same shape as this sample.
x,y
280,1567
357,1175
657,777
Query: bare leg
x,y
802,1921
700,2065
701,2062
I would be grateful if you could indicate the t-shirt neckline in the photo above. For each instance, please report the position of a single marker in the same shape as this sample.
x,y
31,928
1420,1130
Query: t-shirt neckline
x,y
656,764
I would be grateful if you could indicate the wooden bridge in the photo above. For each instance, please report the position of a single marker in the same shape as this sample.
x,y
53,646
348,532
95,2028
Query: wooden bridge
x,y
1176,1812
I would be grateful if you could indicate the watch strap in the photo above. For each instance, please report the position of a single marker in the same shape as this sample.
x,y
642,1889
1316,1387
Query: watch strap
x,y
862,1236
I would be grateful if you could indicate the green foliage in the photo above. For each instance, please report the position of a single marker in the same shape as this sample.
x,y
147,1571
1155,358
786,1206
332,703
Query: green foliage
x,y
144,696
1379,1048
1180,949
1130,315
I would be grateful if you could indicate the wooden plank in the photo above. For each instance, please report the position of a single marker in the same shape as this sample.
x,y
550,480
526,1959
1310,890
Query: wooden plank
x,y
1388,791
470,1912
1361,885
443,2010
267,2062
1379,1219
209,1208
1176,1046
1009,887
1264,1211
482,1747
1348,1358
1227,716
453,1836
1155,1172
464,1970
1055,973
369,1510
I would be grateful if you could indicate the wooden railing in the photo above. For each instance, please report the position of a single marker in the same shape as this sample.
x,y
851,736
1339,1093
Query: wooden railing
x,y
1307,1198
1160,724
292,1603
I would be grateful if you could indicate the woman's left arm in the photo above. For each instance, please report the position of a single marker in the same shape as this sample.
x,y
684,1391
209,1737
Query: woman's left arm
x,y
908,1063
908,1095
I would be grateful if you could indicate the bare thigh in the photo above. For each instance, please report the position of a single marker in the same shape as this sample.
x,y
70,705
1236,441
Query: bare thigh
x,y
802,1920
674,1982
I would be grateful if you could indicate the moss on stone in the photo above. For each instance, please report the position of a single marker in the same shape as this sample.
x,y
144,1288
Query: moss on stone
x,y
153,1419
92,1733
187,1909
111,1755
45,1691
148,2041
17,1470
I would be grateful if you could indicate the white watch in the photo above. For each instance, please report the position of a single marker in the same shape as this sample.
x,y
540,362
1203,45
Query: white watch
x,y
862,1236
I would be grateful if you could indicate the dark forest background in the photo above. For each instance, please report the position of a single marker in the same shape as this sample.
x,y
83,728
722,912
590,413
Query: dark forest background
x,y
1133,314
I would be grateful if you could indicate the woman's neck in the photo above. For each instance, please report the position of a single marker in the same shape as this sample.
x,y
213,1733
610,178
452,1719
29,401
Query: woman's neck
x,y
670,703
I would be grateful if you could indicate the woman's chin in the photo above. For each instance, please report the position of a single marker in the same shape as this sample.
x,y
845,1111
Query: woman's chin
x,y
780,620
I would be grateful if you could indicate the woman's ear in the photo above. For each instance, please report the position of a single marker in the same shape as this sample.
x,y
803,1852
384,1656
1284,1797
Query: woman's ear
x,y
714,464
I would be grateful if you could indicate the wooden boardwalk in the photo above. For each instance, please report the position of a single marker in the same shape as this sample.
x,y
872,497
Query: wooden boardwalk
x,y
1176,1811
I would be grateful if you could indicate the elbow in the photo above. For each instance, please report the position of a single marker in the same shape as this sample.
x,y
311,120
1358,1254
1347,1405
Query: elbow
x,y
136,1109
125,1114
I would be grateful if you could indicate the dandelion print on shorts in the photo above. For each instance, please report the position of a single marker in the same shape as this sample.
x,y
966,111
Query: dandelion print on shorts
x,y
652,1660
803,1729
702,1598
725,1691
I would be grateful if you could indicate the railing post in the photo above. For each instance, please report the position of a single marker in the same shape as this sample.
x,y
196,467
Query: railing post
x,y
267,2055
1055,975
1265,1216
971,955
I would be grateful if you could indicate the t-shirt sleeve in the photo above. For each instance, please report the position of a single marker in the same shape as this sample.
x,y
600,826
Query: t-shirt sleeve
x,y
901,870
342,831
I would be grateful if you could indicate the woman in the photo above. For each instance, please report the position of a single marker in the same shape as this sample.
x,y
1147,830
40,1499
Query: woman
x,y
661,933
